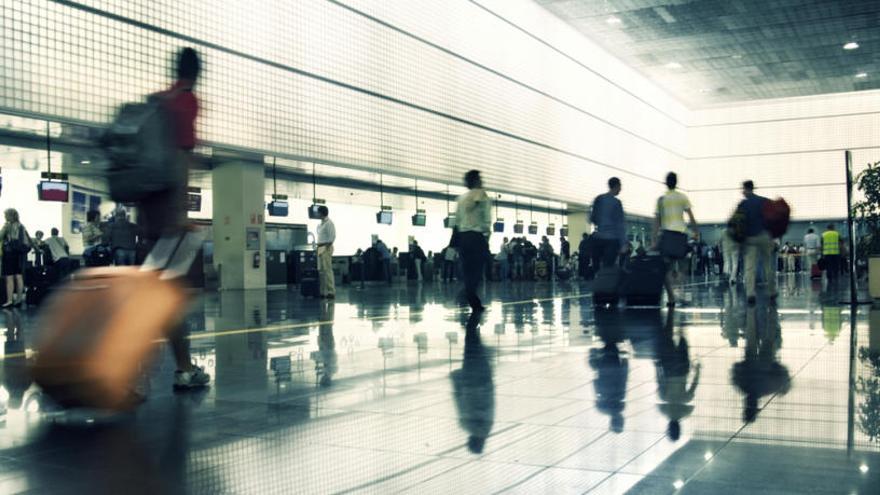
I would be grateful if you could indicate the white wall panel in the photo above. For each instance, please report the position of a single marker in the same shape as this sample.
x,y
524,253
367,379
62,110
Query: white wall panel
x,y
315,80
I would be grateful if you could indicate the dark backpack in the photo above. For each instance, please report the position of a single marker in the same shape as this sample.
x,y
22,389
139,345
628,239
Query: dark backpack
x,y
777,215
139,145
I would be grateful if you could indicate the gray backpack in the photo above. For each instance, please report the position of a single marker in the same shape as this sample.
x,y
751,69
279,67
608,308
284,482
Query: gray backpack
x,y
139,145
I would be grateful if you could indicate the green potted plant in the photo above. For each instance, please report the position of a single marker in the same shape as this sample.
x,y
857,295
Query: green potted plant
x,y
867,212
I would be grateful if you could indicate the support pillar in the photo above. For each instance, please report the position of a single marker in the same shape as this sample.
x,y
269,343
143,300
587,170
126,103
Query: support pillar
x,y
577,227
239,228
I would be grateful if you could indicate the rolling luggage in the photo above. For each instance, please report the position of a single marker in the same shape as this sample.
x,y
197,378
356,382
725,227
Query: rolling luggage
x,y
99,329
98,256
39,280
815,271
643,285
308,279
606,286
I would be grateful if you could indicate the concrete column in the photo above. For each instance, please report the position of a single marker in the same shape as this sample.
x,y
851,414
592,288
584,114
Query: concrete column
x,y
239,228
577,226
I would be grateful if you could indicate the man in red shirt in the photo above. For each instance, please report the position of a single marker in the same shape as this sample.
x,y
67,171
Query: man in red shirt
x,y
165,213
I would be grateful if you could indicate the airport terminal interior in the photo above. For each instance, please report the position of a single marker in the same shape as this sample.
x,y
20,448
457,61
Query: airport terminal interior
x,y
244,249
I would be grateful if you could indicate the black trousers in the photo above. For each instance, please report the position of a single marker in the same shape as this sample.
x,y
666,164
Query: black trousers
x,y
832,266
474,251
605,252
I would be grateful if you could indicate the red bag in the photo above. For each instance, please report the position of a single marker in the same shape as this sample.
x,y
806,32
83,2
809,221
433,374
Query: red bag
x,y
815,271
777,215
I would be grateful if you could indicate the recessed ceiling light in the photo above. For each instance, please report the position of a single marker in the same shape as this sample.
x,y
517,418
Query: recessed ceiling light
x,y
737,56
677,484
852,45
863,468
613,20
673,65
861,75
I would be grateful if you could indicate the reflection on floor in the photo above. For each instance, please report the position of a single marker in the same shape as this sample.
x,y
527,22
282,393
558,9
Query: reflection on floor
x,y
394,390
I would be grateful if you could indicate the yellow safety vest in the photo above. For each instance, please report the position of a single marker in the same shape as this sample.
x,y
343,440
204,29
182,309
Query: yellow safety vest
x,y
830,242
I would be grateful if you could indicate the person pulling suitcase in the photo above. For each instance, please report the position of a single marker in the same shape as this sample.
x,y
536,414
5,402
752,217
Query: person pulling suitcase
x,y
115,315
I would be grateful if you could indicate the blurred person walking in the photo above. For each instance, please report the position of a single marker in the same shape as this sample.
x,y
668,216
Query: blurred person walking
x,y
123,239
609,240
473,221
812,249
759,247
16,243
670,232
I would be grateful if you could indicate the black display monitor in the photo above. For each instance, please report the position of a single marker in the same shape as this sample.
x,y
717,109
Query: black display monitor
x,y
563,231
551,231
53,190
314,212
193,202
498,226
533,229
419,219
449,221
384,217
518,228
278,208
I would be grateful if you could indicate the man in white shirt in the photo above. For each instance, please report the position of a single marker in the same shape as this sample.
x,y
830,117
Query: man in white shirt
x,y
812,245
60,253
473,220
326,238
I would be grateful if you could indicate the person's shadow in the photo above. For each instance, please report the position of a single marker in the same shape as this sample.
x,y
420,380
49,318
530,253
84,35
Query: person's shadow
x,y
760,374
474,388
612,368
673,366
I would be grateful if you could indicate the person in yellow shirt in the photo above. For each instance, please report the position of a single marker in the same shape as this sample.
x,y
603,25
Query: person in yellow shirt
x,y
831,253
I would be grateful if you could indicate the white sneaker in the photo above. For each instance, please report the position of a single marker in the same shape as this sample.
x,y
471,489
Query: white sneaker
x,y
191,379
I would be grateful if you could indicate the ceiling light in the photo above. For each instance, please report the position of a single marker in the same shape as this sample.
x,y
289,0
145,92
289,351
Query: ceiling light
x,y
613,20
862,75
852,45
863,468
673,65
707,456
736,57
677,484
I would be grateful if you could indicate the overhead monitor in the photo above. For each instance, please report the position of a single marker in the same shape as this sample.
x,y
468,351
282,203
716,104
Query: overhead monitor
x,y
563,231
449,221
314,212
533,229
419,219
518,228
53,190
498,226
551,230
384,217
278,208
193,202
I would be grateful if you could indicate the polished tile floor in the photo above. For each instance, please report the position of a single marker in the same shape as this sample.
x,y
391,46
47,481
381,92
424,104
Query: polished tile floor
x,y
395,390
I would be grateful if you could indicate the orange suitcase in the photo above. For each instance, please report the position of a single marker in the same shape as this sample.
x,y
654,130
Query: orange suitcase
x,y
98,330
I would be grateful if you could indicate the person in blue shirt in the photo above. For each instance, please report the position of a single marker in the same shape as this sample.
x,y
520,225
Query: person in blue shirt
x,y
607,217
758,245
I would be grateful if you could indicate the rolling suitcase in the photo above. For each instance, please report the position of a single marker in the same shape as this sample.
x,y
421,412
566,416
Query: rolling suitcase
x,y
815,271
308,274
606,286
643,285
39,280
98,330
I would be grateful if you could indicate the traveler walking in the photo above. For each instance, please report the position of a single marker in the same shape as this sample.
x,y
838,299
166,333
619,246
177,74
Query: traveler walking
x,y
670,232
418,258
790,254
564,248
326,238
450,259
607,216
759,247
812,248
831,253
584,257
386,259
16,243
473,221
123,239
